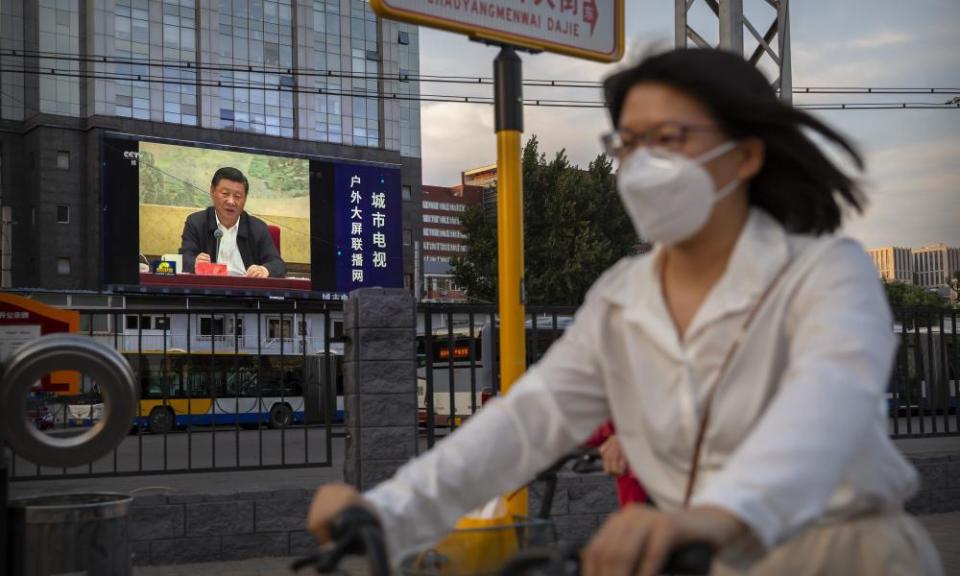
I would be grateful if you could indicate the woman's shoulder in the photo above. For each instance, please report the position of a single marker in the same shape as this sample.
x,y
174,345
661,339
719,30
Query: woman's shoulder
x,y
625,278
833,246
831,259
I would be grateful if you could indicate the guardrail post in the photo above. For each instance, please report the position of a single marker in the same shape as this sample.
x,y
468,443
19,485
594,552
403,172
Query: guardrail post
x,y
379,381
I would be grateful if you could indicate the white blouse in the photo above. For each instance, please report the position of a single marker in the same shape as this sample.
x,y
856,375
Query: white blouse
x,y
798,430
229,253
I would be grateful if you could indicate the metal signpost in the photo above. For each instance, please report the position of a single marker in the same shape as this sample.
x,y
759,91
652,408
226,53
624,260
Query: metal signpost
x,y
591,29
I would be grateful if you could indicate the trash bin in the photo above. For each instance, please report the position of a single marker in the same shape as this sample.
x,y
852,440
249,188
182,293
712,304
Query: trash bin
x,y
69,534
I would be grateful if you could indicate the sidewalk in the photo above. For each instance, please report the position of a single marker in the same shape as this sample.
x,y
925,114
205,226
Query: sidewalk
x,y
943,528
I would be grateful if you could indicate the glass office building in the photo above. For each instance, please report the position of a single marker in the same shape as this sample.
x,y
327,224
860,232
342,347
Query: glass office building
x,y
313,78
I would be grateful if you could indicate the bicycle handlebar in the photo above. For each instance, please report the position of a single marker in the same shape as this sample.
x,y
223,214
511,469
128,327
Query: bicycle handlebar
x,y
691,560
354,532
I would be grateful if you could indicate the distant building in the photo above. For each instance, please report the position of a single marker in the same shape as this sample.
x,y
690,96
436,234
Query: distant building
x,y
934,265
484,176
893,264
443,238
237,74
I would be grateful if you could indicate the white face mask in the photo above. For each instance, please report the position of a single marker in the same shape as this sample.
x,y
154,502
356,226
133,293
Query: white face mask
x,y
669,197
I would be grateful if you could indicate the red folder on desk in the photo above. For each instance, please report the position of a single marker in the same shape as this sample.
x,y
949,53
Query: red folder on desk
x,y
210,269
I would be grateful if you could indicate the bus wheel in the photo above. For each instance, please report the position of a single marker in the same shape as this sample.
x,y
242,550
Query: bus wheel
x,y
161,420
281,416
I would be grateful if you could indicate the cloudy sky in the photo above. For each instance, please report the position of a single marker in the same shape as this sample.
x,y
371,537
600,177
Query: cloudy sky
x,y
913,177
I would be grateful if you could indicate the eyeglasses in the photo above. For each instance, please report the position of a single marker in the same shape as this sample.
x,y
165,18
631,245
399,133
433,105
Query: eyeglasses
x,y
666,136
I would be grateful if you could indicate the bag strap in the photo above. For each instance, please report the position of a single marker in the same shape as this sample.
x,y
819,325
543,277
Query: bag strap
x,y
727,360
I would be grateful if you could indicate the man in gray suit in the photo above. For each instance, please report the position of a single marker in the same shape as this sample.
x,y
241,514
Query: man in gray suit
x,y
245,245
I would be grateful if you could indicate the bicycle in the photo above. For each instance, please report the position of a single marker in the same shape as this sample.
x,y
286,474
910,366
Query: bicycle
x,y
356,531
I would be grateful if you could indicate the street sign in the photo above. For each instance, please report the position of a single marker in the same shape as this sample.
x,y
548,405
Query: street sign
x,y
591,29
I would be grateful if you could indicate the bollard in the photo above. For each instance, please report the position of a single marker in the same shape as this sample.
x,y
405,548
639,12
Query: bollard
x,y
103,364
65,533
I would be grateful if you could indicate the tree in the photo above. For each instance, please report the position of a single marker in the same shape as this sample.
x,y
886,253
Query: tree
x,y
574,229
908,295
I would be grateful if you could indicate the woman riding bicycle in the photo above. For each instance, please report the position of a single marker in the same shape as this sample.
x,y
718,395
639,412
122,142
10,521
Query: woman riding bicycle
x,y
744,361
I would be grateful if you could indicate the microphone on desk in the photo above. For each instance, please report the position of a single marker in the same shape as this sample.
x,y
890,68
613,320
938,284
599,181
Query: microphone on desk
x,y
218,234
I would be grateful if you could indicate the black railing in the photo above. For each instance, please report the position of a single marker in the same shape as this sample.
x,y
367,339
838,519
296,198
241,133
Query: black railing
x,y
922,400
211,379
259,386
458,358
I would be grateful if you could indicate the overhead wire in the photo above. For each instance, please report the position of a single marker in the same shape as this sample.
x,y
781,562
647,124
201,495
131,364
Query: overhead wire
x,y
437,98
422,78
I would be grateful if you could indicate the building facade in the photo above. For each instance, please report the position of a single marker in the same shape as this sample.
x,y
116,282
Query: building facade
x,y
935,265
310,78
893,264
443,238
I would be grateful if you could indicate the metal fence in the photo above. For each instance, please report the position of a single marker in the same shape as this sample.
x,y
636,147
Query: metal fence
x,y
253,386
258,385
921,399
924,383
458,358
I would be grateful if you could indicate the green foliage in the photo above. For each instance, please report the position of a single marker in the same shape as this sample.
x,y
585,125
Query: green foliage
x,y
180,175
282,177
574,229
907,295
477,269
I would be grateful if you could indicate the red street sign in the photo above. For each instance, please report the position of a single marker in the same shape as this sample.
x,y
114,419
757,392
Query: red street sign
x,y
591,29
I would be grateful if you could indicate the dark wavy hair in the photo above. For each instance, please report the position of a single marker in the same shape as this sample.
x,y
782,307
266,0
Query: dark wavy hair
x,y
798,185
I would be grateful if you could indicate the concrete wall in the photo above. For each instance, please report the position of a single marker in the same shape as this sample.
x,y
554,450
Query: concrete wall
x,y
581,502
939,484
186,528
379,384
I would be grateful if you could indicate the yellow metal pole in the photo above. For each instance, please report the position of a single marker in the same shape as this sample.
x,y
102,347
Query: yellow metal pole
x,y
509,127
510,258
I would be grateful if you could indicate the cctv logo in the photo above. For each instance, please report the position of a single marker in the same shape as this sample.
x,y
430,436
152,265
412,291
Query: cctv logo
x,y
132,156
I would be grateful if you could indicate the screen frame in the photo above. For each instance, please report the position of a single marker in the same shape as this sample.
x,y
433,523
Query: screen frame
x,y
322,200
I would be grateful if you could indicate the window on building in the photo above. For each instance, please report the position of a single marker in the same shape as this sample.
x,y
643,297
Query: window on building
x,y
407,237
211,326
406,192
63,214
95,323
63,266
403,38
161,323
236,326
277,329
63,159
138,322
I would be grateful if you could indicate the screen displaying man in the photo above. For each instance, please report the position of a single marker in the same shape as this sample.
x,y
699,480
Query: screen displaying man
x,y
245,244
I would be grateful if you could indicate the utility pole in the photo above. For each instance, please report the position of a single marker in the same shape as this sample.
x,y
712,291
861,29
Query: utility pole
x,y
772,46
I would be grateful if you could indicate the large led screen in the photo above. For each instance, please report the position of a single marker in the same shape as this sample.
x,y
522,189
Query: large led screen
x,y
301,224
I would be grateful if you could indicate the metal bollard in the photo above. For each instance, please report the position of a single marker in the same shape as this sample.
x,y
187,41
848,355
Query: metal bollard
x,y
75,533
44,355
